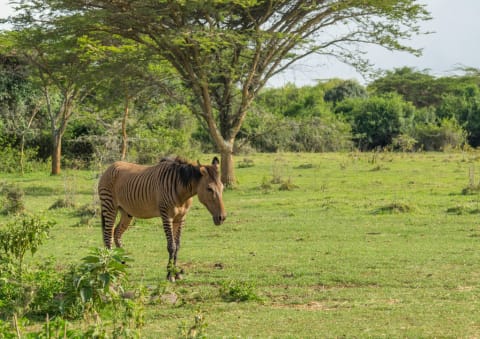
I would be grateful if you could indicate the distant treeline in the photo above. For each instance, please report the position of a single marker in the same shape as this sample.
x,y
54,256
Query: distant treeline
x,y
404,109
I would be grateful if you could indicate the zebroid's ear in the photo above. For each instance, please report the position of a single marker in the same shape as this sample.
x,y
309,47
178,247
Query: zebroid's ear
x,y
215,162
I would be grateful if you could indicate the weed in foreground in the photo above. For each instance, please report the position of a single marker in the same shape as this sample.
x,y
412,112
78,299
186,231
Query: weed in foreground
x,y
197,330
235,291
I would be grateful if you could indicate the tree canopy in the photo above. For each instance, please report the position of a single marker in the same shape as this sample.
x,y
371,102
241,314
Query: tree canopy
x,y
225,51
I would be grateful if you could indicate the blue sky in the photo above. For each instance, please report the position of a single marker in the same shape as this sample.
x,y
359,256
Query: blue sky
x,y
454,43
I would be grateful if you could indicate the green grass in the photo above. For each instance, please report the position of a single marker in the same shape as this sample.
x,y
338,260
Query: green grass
x,y
362,246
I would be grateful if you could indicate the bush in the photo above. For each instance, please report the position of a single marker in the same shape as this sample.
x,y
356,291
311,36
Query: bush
x,y
439,137
12,199
233,290
376,121
321,134
11,159
96,283
18,287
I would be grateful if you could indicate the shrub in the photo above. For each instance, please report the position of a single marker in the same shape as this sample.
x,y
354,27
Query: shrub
x,y
376,120
97,282
13,199
14,162
448,134
234,290
22,235
19,287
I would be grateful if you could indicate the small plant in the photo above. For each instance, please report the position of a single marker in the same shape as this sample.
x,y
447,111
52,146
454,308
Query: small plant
x,y
18,290
97,286
234,290
13,199
197,330
56,328
265,186
246,163
287,185
23,235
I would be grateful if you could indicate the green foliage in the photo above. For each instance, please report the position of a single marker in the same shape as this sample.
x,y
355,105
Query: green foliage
x,y
295,119
80,140
376,120
12,199
166,133
197,330
417,87
344,90
324,250
97,287
100,278
46,280
464,108
18,287
22,235
404,143
238,290
10,159
245,163
446,135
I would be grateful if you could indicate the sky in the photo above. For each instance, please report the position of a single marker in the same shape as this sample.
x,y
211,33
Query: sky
x,y
455,43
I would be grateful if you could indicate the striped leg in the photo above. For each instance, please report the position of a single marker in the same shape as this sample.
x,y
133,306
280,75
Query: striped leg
x,y
122,226
109,213
171,247
177,233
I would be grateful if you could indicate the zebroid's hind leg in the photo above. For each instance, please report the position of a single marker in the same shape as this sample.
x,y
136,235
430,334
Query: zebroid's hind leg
x,y
108,213
122,226
171,247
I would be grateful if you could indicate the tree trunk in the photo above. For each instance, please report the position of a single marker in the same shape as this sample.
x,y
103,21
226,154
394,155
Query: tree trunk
x,y
227,167
56,153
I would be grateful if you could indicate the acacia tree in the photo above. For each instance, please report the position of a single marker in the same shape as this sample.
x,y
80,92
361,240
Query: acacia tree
x,y
64,74
225,51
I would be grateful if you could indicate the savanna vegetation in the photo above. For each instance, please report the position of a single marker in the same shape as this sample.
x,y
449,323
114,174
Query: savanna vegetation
x,y
352,207
355,244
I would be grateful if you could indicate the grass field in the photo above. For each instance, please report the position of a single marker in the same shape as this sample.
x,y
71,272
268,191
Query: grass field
x,y
363,245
